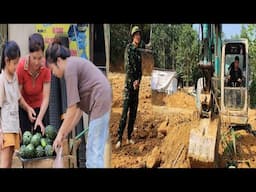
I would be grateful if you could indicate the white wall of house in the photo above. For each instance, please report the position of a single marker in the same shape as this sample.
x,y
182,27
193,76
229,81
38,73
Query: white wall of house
x,y
20,34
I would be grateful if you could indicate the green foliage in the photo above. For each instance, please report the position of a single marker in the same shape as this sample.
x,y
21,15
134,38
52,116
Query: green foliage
x,y
236,36
165,38
249,32
252,91
119,37
228,141
187,53
176,47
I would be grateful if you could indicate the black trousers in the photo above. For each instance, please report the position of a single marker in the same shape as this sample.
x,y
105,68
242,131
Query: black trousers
x,y
131,100
25,123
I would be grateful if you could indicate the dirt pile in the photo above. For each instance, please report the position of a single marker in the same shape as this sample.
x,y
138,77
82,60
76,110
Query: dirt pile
x,y
162,132
157,142
175,132
145,132
180,99
245,156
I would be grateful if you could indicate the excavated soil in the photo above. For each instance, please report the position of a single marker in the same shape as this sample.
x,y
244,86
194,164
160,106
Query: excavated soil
x,y
163,129
161,132
245,156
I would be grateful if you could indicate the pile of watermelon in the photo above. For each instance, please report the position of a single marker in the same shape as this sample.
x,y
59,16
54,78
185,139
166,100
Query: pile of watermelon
x,y
36,145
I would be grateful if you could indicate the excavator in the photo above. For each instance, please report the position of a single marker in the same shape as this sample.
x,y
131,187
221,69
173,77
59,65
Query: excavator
x,y
221,104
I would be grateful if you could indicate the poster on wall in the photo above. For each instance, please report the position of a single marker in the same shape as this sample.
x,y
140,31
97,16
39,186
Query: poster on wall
x,y
78,36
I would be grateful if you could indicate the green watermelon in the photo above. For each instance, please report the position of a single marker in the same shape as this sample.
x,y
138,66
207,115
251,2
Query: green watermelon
x,y
49,141
35,140
26,138
30,151
39,151
50,132
43,142
48,150
39,135
22,151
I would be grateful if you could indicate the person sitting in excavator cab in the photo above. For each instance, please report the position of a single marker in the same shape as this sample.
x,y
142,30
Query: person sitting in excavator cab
x,y
235,79
235,74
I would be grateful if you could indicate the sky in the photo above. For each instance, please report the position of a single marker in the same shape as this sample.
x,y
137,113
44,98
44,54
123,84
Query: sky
x,y
231,29
228,29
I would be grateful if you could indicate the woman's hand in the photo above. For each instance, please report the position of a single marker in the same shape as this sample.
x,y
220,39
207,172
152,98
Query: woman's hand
x,y
39,123
136,84
58,142
31,114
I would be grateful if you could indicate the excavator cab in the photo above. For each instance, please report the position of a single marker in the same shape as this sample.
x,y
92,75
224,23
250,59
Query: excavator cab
x,y
234,100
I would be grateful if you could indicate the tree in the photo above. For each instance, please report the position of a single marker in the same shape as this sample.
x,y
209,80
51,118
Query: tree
x,y
236,36
165,39
249,32
187,52
119,37
175,47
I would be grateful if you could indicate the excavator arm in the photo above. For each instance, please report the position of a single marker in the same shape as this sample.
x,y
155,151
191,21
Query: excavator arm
x,y
209,65
203,139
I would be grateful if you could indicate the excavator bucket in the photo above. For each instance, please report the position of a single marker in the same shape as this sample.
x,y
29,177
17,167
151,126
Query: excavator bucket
x,y
203,144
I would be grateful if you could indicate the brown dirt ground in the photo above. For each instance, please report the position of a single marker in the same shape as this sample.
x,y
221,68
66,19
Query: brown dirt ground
x,y
163,129
148,120
145,135
245,146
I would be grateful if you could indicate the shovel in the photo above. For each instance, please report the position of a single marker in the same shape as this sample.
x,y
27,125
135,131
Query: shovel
x,y
76,138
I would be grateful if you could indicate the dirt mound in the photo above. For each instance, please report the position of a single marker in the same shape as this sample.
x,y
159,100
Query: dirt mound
x,y
180,99
145,132
161,135
245,156
173,148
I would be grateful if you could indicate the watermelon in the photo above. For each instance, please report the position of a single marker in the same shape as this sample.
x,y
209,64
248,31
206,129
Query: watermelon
x,y
48,150
39,151
43,142
30,151
39,135
49,141
26,138
35,140
22,151
50,132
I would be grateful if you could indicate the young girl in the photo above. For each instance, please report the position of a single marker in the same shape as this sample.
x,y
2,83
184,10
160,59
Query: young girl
x,y
9,104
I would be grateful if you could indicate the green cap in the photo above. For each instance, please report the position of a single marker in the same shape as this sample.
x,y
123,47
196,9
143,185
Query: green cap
x,y
135,29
